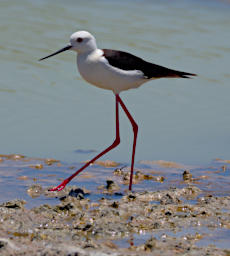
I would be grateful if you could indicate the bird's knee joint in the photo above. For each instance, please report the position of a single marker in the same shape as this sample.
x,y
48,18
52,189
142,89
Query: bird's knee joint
x,y
116,142
135,128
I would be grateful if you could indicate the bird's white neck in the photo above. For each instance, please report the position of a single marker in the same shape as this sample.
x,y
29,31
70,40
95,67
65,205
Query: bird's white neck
x,y
90,56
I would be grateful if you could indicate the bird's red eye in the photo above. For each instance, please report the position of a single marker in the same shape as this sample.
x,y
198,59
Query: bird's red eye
x,y
79,39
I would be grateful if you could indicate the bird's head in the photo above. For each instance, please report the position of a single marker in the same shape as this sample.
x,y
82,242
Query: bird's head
x,y
80,42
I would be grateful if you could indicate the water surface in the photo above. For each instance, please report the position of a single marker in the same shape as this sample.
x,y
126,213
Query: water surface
x,y
47,110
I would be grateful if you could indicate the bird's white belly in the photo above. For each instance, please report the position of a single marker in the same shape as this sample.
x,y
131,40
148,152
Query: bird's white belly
x,y
99,73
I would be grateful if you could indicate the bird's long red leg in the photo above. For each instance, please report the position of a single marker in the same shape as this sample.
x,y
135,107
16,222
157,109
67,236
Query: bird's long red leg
x,y
114,144
135,131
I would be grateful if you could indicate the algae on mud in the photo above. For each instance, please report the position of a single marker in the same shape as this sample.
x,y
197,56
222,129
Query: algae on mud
x,y
78,226
184,217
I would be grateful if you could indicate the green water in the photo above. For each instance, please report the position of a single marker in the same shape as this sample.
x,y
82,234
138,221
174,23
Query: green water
x,y
47,110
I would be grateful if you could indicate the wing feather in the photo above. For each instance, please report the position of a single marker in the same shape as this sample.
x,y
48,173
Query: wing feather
x,y
127,61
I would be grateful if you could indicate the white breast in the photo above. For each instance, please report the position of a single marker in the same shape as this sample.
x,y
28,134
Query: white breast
x,y
96,70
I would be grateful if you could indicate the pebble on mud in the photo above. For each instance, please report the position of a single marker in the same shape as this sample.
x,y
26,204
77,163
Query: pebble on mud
x,y
137,177
12,157
37,166
187,176
110,187
35,191
50,161
84,227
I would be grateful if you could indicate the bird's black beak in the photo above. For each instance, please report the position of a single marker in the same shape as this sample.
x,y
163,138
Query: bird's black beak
x,y
57,52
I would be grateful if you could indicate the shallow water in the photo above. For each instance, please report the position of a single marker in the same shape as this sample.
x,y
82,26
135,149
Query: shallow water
x,y
47,110
218,237
19,174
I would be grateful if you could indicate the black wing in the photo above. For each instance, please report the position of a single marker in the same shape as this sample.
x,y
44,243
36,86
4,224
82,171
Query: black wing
x,y
127,61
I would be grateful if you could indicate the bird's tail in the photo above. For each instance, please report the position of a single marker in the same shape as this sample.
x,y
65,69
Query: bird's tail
x,y
156,71
181,74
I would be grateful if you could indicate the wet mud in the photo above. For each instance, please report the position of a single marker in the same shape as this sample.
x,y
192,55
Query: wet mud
x,y
177,220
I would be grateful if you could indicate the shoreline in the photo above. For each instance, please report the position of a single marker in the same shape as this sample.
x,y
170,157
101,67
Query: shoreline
x,y
78,226
175,209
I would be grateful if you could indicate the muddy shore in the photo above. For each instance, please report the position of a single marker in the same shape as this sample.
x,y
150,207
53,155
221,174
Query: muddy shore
x,y
77,226
179,220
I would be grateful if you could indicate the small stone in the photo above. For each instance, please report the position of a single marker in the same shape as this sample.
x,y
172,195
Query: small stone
x,y
111,185
168,213
187,176
36,166
51,161
77,193
14,204
35,191
115,205
118,172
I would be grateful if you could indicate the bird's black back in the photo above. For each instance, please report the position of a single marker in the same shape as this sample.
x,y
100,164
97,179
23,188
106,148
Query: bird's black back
x,y
127,61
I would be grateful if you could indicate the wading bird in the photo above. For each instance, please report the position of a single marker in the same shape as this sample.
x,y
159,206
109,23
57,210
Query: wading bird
x,y
116,71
